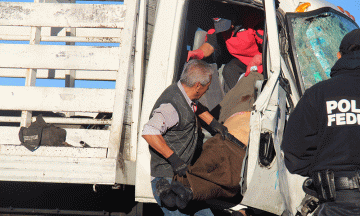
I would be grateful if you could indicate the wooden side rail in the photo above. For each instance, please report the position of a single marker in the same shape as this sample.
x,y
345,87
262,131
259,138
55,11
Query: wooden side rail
x,y
56,99
93,138
59,57
62,15
58,34
60,74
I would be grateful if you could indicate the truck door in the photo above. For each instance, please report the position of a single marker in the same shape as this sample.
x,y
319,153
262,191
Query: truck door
x,y
175,29
314,38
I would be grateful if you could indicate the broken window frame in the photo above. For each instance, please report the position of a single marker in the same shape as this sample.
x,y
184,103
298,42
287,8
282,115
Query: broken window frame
x,y
292,45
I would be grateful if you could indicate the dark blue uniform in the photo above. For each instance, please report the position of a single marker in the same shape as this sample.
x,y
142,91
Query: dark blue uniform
x,y
323,132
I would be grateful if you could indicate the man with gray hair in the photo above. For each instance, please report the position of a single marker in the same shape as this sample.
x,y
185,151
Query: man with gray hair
x,y
173,130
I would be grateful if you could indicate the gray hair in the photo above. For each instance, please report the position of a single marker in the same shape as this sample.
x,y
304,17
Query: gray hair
x,y
196,71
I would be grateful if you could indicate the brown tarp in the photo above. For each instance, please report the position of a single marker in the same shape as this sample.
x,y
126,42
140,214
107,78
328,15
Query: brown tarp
x,y
216,173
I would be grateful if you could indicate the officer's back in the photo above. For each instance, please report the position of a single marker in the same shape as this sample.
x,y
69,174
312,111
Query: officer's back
x,y
322,137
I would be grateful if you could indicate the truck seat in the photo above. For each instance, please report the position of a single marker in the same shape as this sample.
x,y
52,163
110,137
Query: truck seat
x,y
215,93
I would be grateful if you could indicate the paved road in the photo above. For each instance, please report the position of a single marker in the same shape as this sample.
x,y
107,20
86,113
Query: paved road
x,y
72,197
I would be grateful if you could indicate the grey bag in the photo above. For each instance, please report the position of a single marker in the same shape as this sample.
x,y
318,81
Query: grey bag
x,y
41,133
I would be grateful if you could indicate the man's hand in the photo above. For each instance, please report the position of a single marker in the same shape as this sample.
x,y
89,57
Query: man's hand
x,y
219,128
196,54
255,62
179,166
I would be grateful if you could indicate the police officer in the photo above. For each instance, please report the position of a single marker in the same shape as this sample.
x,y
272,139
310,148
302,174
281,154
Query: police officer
x,y
322,138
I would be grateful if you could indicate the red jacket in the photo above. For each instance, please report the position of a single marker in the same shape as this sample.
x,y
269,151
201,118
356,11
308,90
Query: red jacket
x,y
247,43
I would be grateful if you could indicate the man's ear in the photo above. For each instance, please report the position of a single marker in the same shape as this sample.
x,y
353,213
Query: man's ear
x,y
198,85
339,55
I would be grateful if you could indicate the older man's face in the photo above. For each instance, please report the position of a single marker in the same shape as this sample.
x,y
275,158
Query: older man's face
x,y
202,90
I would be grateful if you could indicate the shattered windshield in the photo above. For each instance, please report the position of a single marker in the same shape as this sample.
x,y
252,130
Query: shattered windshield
x,y
317,40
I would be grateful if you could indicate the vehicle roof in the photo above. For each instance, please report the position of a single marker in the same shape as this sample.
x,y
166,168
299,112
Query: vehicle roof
x,y
289,5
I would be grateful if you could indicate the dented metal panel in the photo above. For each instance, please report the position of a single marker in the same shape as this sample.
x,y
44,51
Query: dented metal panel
x,y
265,178
62,15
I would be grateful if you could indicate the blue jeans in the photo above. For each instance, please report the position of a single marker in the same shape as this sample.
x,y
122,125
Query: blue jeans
x,y
347,203
167,212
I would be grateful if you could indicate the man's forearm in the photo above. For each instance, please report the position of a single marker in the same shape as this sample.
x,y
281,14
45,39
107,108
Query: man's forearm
x,y
207,49
206,117
158,143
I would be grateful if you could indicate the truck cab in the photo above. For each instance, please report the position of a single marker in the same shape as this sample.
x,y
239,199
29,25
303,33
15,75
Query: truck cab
x,y
300,46
153,39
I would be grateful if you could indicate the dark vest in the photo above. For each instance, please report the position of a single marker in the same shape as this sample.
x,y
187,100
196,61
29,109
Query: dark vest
x,y
182,138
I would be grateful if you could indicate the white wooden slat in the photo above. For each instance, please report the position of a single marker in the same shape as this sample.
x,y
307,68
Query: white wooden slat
x,y
59,57
58,169
30,78
126,50
56,99
63,39
70,74
138,83
62,15
94,138
83,121
16,31
60,74
98,32
9,135
50,151
31,166
59,31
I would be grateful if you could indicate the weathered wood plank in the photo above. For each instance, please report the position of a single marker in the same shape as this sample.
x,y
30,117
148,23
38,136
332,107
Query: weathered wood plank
x,y
60,74
122,80
62,15
59,31
50,151
130,151
63,39
56,99
30,79
59,57
80,121
94,138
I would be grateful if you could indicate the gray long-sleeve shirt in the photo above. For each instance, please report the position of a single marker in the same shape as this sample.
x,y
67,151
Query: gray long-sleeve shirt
x,y
164,117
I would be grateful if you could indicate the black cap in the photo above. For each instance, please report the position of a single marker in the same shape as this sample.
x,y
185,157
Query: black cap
x,y
221,24
352,38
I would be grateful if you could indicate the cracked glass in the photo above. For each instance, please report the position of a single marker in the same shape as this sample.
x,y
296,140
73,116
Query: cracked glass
x,y
317,40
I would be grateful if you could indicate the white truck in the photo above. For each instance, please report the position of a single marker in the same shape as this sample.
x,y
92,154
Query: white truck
x,y
301,41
